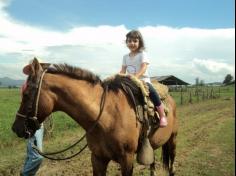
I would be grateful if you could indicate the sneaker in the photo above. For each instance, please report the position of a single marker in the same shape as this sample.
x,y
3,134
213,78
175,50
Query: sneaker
x,y
163,122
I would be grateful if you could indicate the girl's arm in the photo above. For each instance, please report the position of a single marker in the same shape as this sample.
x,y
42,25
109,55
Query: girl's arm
x,y
123,69
142,70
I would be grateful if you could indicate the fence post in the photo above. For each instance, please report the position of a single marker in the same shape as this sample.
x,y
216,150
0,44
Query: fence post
x,y
211,95
197,95
181,98
190,97
207,94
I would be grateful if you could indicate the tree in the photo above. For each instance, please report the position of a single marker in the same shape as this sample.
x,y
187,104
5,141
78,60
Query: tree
x,y
228,79
197,81
202,83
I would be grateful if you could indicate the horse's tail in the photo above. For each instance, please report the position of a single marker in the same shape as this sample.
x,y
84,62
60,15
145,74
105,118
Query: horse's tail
x,y
165,156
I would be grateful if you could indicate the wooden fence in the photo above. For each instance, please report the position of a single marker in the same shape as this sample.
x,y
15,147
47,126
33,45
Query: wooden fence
x,y
184,95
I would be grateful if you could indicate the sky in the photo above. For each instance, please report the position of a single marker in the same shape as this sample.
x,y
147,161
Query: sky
x,y
186,38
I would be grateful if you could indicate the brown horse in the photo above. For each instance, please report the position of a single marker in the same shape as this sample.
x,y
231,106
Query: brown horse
x,y
81,94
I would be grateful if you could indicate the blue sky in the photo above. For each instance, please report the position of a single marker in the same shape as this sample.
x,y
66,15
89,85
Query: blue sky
x,y
186,38
65,14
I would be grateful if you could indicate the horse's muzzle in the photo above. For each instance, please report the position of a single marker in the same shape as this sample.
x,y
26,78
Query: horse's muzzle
x,y
19,133
20,130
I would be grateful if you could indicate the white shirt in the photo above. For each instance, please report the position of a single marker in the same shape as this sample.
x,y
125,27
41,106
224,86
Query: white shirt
x,y
133,64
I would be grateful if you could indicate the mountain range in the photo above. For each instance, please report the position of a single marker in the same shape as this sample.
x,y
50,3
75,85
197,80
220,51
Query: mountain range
x,y
9,82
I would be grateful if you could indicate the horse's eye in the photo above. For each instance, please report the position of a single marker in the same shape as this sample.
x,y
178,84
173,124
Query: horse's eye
x,y
26,94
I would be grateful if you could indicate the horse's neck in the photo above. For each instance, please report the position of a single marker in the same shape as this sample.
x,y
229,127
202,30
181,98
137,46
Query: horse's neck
x,y
78,98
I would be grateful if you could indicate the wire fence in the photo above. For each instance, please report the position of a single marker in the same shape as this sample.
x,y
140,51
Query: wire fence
x,y
186,95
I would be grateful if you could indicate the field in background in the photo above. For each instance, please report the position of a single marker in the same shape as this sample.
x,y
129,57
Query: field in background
x,y
195,94
206,139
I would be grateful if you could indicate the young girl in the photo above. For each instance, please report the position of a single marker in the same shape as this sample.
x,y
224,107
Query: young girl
x,y
136,63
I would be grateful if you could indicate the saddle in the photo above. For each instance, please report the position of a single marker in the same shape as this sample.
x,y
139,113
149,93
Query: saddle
x,y
138,93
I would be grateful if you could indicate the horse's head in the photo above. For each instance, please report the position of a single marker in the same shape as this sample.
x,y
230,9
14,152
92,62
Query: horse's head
x,y
32,109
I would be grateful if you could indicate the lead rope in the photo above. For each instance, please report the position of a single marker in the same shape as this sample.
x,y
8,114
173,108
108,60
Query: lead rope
x,y
37,98
47,155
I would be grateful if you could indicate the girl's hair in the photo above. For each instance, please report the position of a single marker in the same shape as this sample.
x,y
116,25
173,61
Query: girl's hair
x,y
135,34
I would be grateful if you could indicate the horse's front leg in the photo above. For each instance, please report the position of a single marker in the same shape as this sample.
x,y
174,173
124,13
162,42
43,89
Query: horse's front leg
x,y
153,168
127,164
99,165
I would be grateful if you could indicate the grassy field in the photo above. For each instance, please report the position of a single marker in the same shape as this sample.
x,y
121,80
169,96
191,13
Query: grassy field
x,y
201,93
205,143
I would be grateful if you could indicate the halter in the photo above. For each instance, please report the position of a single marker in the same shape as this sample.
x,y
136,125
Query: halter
x,y
36,122
34,118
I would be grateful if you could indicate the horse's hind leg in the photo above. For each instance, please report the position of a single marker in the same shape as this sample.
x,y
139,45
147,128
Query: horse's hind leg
x,y
172,149
127,165
99,165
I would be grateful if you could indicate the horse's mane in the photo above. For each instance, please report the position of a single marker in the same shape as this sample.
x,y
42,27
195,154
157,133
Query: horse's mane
x,y
118,82
74,72
114,83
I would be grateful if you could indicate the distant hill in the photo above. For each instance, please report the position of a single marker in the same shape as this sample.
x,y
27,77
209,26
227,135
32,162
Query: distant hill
x,y
214,84
6,82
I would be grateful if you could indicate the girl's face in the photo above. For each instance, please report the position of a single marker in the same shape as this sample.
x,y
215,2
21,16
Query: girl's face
x,y
133,44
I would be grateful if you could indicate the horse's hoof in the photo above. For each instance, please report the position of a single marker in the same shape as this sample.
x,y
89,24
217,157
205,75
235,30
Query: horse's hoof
x,y
153,173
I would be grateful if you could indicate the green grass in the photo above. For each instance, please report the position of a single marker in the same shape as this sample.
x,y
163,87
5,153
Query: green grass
x,y
13,147
205,142
207,139
9,101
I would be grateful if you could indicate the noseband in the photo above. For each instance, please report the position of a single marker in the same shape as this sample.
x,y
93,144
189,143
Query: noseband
x,y
33,120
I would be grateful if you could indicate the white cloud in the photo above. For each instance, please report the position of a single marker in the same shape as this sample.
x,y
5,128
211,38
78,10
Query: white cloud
x,y
212,66
185,52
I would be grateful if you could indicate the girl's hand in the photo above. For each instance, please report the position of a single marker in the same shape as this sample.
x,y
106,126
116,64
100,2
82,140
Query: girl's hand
x,y
123,69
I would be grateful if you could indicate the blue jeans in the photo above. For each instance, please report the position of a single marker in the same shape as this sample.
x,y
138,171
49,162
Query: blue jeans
x,y
154,95
33,160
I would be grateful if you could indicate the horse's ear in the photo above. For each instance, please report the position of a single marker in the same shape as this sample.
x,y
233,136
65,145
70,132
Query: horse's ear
x,y
28,69
36,66
33,68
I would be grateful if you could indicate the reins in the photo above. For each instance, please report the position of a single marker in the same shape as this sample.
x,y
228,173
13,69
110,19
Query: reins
x,y
47,155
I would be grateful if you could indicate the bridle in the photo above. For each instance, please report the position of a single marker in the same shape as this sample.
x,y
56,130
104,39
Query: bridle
x,y
32,121
35,122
